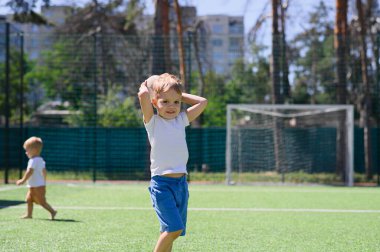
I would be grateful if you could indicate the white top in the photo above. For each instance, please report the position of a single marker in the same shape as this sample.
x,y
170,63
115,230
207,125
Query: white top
x,y
167,139
37,178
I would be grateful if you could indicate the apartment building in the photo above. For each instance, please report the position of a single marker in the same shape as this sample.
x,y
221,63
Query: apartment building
x,y
225,41
220,37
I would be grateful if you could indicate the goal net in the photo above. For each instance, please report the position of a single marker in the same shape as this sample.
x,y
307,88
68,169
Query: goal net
x,y
284,139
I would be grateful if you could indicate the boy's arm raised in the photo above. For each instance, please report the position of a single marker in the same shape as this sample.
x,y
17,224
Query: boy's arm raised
x,y
145,103
197,103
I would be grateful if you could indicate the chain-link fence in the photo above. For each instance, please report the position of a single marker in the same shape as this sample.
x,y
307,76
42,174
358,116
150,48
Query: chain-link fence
x,y
78,93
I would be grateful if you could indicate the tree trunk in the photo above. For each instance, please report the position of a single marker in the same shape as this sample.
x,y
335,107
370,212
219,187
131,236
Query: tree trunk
x,y
314,74
365,110
285,66
181,52
166,35
276,85
340,41
276,81
201,86
159,64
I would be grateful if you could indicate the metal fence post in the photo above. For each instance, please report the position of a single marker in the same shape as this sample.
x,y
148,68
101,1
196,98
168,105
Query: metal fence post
x,y
377,94
6,105
21,97
189,41
94,163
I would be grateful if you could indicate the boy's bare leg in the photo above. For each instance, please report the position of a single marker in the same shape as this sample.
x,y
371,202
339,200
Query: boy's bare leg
x,y
49,208
29,210
165,241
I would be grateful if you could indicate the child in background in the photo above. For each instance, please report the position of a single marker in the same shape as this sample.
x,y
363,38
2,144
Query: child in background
x,y
169,153
36,177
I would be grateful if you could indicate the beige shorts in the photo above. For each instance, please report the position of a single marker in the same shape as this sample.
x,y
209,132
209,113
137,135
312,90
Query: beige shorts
x,y
36,194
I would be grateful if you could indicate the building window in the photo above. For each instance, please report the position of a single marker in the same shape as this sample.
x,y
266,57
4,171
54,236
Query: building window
x,y
235,44
236,27
219,69
217,29
217,42
233,56
217,57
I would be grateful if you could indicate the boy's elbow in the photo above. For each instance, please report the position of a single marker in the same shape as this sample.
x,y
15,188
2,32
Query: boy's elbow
x,y
204,102
142,95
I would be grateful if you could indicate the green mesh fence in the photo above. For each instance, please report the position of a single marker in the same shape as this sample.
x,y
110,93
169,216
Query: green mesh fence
x,y
78,92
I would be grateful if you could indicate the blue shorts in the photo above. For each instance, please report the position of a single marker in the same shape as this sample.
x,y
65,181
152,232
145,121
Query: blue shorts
x,y
170,197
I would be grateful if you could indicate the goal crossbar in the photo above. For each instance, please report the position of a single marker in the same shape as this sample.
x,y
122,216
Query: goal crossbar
x,y
282,115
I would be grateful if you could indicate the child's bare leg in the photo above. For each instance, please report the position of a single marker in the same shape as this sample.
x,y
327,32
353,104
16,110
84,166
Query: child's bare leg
x,y
46,205
165,241
29,210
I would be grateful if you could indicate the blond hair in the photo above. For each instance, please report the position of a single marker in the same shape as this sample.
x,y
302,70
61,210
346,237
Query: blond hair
x,y
166,82
34,143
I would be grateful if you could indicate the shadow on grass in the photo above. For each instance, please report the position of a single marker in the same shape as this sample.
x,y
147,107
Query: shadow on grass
x,y
60,220
9,203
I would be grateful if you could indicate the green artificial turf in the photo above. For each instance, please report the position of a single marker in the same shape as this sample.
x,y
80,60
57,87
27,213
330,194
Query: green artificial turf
x,y
119,217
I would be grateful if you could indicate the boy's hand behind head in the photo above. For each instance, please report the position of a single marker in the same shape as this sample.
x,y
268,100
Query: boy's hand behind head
x,y
150,81
143,87
149,84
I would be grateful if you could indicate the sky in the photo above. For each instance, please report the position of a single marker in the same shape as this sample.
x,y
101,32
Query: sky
x,y
250,9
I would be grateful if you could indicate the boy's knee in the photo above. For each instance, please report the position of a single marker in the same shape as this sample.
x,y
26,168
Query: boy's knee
x,y
41,202
175,234
29,199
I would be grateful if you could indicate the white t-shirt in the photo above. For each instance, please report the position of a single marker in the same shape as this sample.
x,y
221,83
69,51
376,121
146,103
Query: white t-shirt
x,y
37,178
167,139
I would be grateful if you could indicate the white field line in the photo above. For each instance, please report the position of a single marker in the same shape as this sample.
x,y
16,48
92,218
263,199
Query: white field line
x,y
298,210
2,189
282,190
252,189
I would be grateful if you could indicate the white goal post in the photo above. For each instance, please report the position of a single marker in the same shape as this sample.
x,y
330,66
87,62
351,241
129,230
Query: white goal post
x,y
287,138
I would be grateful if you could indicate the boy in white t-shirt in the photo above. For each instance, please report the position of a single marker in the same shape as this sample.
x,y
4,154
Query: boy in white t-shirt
x,y
36,177
169,153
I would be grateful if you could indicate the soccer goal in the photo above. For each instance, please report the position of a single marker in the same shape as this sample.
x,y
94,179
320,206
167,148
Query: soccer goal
x,y
283,139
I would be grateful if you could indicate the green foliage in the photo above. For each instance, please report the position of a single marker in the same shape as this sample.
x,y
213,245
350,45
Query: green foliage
x,y
23,11
215,113
118,112
113,110
247,83
15,77
312,56
58,74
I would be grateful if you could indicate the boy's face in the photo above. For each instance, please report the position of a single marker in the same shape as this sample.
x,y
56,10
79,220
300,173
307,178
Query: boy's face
x,y
168,104
31,152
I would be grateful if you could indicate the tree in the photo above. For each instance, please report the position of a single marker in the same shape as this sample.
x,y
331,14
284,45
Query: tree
x,y
340,41
276,55
23,11
102,38
277,97
365,98
161,40
118,111
340,32
312,57
79,68
181,51
249,81
284,57
19,67
215,114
